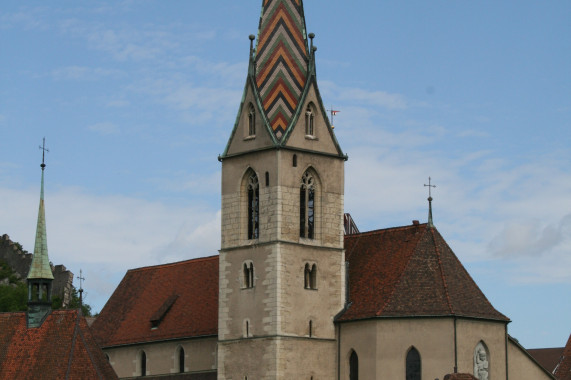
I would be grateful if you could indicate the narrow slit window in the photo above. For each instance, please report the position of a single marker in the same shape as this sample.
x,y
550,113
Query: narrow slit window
x,y
181,360
309,121
248,275
251,120
143,363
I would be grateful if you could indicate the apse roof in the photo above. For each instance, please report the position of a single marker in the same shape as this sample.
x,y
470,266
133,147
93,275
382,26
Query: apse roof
x,y
178,300
563,369
410,272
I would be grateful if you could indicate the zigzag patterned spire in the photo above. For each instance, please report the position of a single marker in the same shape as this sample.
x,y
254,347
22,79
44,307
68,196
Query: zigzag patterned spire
x,y
282,59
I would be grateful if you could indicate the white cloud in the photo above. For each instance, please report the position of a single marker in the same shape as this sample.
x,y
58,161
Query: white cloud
x,y
83,73
352,95
104,128
107,235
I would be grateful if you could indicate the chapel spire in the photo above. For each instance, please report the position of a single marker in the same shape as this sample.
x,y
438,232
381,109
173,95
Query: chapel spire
x,y
40,276
282,61
430,186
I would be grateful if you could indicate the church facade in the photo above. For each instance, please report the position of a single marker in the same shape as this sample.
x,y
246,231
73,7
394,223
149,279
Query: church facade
x,y
290,295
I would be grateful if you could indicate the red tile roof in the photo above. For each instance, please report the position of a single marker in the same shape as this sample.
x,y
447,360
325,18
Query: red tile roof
x,y
61,348
181,298
547,357
410,271
459,376
563,370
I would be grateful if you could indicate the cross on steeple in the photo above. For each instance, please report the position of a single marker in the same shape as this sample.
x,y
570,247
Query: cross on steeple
x,y
430,186
81,279
44,150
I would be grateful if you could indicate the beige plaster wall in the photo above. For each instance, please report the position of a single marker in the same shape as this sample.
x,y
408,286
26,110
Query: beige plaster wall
x,y
200,355
382,346
522,367
493,335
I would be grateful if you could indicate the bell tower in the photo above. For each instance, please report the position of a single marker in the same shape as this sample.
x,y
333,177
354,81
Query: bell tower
x,y
282,265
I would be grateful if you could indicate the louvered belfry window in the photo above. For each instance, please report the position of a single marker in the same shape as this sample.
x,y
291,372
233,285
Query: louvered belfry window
x,y
253,207
307,206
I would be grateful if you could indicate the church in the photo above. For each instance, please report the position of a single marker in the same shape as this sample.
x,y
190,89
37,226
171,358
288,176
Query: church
x,y
296,291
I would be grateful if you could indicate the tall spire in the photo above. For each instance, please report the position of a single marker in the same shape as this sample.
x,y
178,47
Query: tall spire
x,y
40,267
40,276
282,59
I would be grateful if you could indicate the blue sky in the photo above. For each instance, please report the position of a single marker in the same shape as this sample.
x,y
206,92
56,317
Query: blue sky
x,y
136,100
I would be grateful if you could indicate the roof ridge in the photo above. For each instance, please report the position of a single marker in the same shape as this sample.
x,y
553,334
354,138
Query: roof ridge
x,y
72,348
445,283
150,267
373,232
471,279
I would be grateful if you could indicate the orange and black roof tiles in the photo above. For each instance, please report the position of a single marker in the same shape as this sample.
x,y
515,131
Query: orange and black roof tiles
x,y
130,314
61,348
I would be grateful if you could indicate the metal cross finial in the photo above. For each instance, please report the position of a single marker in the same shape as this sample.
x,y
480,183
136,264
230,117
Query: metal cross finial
x,y
81,279
44,150
430,186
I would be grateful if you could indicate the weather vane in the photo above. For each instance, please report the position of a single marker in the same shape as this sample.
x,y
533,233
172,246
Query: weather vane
x,y
333,113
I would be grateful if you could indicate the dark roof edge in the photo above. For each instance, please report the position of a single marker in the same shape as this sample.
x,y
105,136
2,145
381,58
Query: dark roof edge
x,y
457,316
278,147
516,343
159,341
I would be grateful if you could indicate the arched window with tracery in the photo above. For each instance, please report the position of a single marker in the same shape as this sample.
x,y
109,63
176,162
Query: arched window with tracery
x,y
251,120
353,366
309,120
253,189
307,206
248,275
413,365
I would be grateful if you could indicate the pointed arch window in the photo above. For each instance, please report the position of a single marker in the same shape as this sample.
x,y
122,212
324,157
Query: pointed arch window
x,y
251,120
180,360
307,206
253,206
413,365
309,120
143,363
353,366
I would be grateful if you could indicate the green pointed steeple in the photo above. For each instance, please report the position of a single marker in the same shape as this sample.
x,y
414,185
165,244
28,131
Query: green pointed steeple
x,y
40,276
40,267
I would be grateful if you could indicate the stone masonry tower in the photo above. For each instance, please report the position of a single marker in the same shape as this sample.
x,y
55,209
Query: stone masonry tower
x,y
282,265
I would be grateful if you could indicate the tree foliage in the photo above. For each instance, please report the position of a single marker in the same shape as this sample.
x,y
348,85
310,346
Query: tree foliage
x,y
14,294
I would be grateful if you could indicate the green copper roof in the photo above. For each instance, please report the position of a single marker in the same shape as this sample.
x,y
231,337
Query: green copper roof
x,y
40,267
